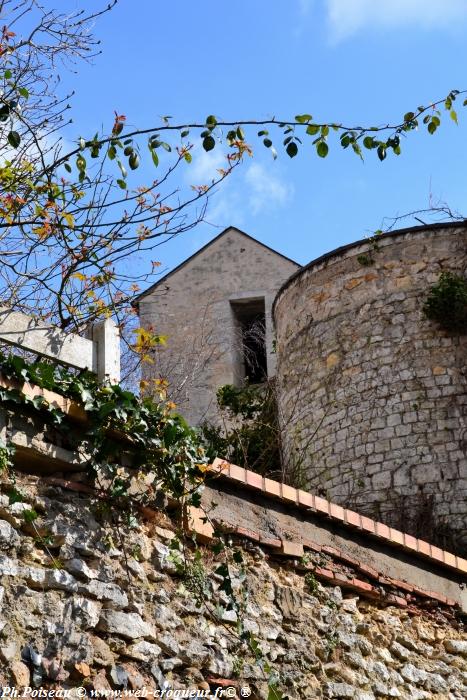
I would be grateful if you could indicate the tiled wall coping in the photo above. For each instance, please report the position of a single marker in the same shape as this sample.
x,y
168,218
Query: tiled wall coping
x,y
326,509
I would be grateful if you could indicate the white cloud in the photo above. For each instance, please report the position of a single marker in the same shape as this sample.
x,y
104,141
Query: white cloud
x,y
205,165
266,191
347,17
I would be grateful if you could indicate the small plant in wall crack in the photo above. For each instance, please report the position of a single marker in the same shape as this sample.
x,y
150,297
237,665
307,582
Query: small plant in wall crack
x,y
367,259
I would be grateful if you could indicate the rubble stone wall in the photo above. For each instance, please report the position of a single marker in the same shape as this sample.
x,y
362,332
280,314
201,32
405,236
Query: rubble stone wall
x,y
372,395
85,605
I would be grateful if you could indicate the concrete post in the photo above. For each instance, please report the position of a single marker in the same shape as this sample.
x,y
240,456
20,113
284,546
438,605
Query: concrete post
x,y
106,361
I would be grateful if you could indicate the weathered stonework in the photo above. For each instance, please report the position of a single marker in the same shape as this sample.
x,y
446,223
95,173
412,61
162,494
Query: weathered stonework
x,y
192,306
373,395
91,610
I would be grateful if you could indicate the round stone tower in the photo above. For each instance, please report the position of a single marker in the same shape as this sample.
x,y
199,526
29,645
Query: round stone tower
x,y
372,395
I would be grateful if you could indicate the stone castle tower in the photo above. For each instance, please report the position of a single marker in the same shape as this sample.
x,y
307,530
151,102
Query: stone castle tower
x,y
373,395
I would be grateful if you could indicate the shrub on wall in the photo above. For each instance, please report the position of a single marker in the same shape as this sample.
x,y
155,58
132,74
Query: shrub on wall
x,y
447,302
249,433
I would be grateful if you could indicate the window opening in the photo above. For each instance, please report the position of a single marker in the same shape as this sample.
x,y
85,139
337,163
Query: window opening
x,y
250,320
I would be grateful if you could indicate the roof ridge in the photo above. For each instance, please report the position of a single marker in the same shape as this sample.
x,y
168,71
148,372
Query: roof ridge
x,y
202,249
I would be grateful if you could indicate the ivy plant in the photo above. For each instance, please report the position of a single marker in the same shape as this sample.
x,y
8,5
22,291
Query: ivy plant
x,y
446,302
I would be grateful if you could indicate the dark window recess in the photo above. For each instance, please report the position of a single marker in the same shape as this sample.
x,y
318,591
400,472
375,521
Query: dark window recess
x,y
251,323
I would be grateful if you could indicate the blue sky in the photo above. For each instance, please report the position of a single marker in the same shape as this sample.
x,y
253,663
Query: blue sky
x,y
354,61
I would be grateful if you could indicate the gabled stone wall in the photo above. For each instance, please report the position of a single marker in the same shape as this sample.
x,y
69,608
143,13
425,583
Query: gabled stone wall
x,y
192,306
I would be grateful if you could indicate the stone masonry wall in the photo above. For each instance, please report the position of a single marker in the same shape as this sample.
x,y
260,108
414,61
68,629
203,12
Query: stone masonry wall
x,y
85,606
193,308
372,395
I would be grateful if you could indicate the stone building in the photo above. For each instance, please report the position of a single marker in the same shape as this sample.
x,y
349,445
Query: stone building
x,y
372,394
215,309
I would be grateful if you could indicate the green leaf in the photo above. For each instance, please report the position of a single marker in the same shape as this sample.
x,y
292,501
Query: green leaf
x,y
166,146
14,139
111,152
453,115
211,121
432,127
324,130
237,556
357,149
155,157
81,163
322,149
188,157
381,152
133,161
312,129
263,132
267,143
30,515
369,142
208,143
292,149
184,133
121,184
68,167
7,74
345,140
303,118
409,116
240,134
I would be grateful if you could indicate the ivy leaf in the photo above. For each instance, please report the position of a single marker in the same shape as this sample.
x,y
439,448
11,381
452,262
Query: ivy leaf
x,y
14,139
